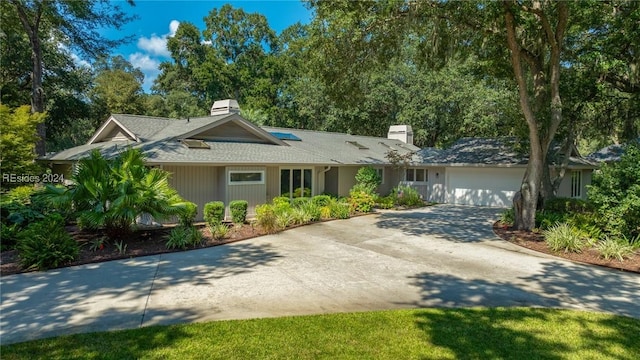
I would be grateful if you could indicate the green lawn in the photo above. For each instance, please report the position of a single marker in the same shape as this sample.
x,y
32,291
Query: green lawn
x,y
496,333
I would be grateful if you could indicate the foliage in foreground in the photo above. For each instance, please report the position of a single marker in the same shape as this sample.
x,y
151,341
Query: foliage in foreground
x,y
564,237
17,141
495,333
113,193
183,236
615,193
46,244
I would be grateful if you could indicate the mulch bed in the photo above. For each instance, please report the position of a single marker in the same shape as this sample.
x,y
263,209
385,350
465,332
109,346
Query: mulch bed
x,y
535,241
152,242
141,243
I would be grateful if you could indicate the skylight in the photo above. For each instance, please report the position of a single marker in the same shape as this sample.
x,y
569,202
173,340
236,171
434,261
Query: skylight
x,y
358,145
285,136
195,144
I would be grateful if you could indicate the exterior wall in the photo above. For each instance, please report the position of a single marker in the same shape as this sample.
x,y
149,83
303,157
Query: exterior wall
x,y
331,178
482,186
273,182
564,190
254,194
198,184
319,180
346,179
436,185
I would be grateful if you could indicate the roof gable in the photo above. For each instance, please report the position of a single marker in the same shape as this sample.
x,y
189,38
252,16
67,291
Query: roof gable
x,y
232,128
112,130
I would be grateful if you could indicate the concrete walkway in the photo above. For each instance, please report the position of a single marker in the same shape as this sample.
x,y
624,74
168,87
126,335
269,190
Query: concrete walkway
x,y
442,256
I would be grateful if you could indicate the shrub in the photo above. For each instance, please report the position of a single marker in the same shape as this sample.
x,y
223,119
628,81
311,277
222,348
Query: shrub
x,y
385,202
361,201
567,206
587,223
219,230
266,218
368,179
321,200
546,219
302,192
213,212
299,216
281,201
112,193
564,237
406,196
46,244
340,209
615,194
9,235
183,236
312,211
508,216
188,215
238,211
325,212
284,219
299,202
20,207
618,248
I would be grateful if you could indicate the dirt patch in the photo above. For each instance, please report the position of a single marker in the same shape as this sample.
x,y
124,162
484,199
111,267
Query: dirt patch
x,y
535,241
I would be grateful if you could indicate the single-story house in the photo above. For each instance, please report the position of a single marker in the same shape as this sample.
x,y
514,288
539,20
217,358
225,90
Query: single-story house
x,y
224,157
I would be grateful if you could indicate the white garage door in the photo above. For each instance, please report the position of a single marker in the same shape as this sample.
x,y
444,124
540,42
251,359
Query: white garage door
x,y
483,186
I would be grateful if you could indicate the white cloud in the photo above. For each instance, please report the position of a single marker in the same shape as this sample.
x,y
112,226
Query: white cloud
x,y
154,45
157,45
173,27
147,65
143,61
152,50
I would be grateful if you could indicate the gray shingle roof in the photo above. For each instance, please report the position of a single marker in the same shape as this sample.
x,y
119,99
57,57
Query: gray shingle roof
x,y
502,151
611,153
160,142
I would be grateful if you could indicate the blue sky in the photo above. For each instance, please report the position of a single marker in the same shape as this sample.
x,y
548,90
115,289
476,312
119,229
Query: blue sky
x,y
159,19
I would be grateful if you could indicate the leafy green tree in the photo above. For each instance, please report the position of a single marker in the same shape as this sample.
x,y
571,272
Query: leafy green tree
x,y
112,193
17,139
615,193
243,41
524,41
74,24
118,87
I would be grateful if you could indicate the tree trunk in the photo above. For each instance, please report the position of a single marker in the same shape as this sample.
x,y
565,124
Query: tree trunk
x,y
525,214
37,91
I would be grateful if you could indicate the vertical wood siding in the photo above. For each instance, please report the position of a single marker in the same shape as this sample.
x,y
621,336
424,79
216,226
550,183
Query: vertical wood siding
x,y
254,194
198,184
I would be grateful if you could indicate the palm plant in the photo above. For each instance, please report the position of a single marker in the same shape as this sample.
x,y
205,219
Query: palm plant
x,y
111,194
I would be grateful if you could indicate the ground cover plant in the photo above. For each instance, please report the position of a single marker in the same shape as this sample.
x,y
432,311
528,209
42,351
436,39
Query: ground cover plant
x,y
112,193
480,333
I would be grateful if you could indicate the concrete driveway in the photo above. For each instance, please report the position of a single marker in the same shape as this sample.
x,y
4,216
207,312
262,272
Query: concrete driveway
x,y
441,256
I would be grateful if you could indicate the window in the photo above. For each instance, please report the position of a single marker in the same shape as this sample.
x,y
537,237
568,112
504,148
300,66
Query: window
x,y
246,177
296,182
417,175
576,184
